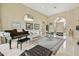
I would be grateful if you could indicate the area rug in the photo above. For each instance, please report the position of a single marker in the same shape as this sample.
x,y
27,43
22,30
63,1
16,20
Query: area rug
x,y
1,54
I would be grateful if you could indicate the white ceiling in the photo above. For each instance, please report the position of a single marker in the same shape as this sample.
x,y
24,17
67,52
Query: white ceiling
x,y
49,9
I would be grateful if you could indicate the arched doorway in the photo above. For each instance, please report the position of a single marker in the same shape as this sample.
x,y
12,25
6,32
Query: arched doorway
x,y
60,26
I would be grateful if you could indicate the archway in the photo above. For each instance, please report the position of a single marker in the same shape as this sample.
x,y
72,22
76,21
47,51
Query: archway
x,y
62,22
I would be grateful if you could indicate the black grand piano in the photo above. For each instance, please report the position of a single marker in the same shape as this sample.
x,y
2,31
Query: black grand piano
x,y
15,34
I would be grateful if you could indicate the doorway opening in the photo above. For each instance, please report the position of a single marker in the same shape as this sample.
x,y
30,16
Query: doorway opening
x,y
60,26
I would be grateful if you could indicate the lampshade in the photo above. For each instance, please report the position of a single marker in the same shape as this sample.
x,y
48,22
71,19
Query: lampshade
x,y
28,17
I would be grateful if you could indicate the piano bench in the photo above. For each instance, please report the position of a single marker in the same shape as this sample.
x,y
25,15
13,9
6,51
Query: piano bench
x,y
21,41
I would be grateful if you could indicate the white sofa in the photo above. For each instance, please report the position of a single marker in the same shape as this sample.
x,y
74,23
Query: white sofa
x,y
34,34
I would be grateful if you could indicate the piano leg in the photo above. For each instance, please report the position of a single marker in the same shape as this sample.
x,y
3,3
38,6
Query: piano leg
x,y
17,44
10,44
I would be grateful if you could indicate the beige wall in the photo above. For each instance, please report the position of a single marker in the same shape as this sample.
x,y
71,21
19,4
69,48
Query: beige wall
x,y
0,22
11,13
15,12
71,17
60,27
0,17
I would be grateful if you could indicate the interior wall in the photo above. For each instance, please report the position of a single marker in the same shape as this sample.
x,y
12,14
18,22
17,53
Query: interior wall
x,y
0,17
72,18
15,13
0,22
60,27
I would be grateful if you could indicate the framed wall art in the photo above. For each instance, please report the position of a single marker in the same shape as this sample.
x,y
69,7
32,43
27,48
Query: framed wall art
x,y
29,26
15,25
36,26
77,27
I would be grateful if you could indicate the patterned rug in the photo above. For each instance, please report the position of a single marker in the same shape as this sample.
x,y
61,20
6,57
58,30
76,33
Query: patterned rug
x,y
37,51
1,54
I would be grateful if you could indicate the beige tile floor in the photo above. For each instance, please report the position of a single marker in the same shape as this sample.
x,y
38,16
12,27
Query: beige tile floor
x,y
69,48
4,48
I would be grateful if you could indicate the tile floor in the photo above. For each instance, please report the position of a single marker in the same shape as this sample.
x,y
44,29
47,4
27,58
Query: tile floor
x,y
69,48
4,48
